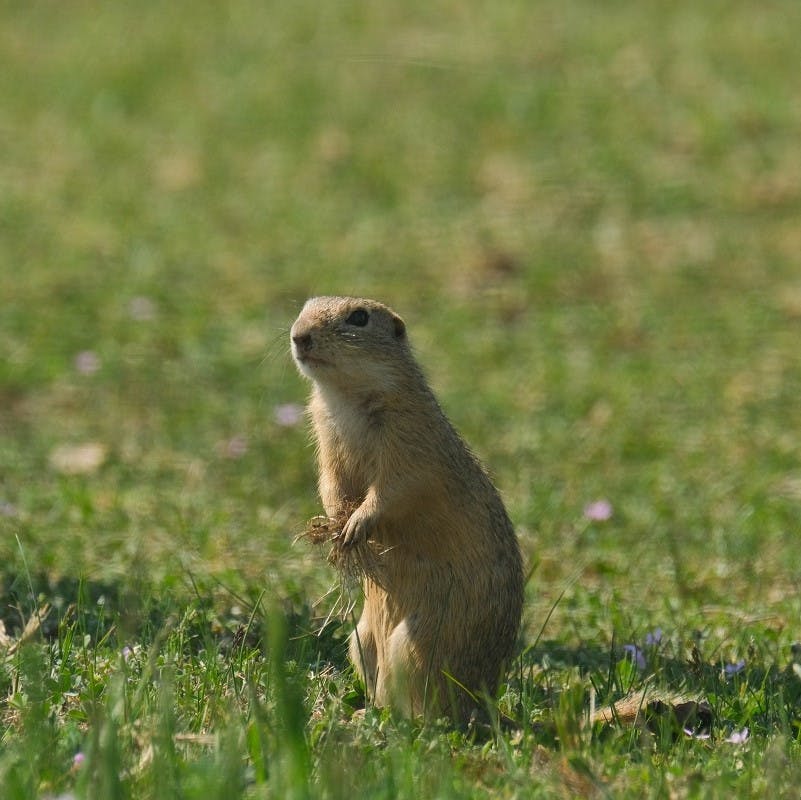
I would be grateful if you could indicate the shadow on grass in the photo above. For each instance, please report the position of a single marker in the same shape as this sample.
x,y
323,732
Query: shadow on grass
x,y
757,694
677,694
120,613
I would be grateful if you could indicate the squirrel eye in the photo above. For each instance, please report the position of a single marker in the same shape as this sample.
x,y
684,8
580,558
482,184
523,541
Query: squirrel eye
x,y
359,318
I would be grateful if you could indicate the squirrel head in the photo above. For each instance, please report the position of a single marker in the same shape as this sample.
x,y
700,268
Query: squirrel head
x,y
351,343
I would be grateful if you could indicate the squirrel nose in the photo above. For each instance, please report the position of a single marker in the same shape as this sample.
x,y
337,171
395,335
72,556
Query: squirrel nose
x,y
303,342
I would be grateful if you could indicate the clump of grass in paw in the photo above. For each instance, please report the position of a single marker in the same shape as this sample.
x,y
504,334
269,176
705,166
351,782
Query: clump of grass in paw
x,y
354,561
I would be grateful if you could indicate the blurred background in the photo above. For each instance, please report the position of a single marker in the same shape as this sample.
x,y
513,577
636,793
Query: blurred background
x,y
588,215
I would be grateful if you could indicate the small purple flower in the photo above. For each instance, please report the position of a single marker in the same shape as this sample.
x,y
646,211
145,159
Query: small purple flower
x,y
7,509
78,759
126,653
142,309
87,362
653,638
287,415
734,669
598,511
637,655
702,734
235,447
737,737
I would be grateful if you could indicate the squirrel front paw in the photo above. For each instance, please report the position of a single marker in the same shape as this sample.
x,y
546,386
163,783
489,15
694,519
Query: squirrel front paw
x,y
358,528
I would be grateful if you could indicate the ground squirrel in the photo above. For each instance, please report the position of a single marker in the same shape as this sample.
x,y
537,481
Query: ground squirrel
x,y
440,622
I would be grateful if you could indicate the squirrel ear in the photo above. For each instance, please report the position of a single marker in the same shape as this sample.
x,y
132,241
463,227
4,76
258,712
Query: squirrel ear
x,y
399,327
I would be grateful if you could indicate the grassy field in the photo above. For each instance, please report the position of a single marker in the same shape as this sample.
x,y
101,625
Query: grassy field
x,y
589,215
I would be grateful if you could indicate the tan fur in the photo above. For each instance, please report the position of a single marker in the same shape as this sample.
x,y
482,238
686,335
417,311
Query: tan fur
x,y
451,589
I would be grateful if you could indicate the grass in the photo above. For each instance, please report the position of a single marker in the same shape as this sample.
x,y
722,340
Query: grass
x,y
587,215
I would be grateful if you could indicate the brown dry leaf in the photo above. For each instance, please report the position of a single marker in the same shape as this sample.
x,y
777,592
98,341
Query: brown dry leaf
x,y
646,708
625,711
78,459
34,623
10,645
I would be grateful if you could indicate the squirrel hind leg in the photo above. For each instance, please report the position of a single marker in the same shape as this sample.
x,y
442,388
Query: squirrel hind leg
x,y
416,682
403,683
